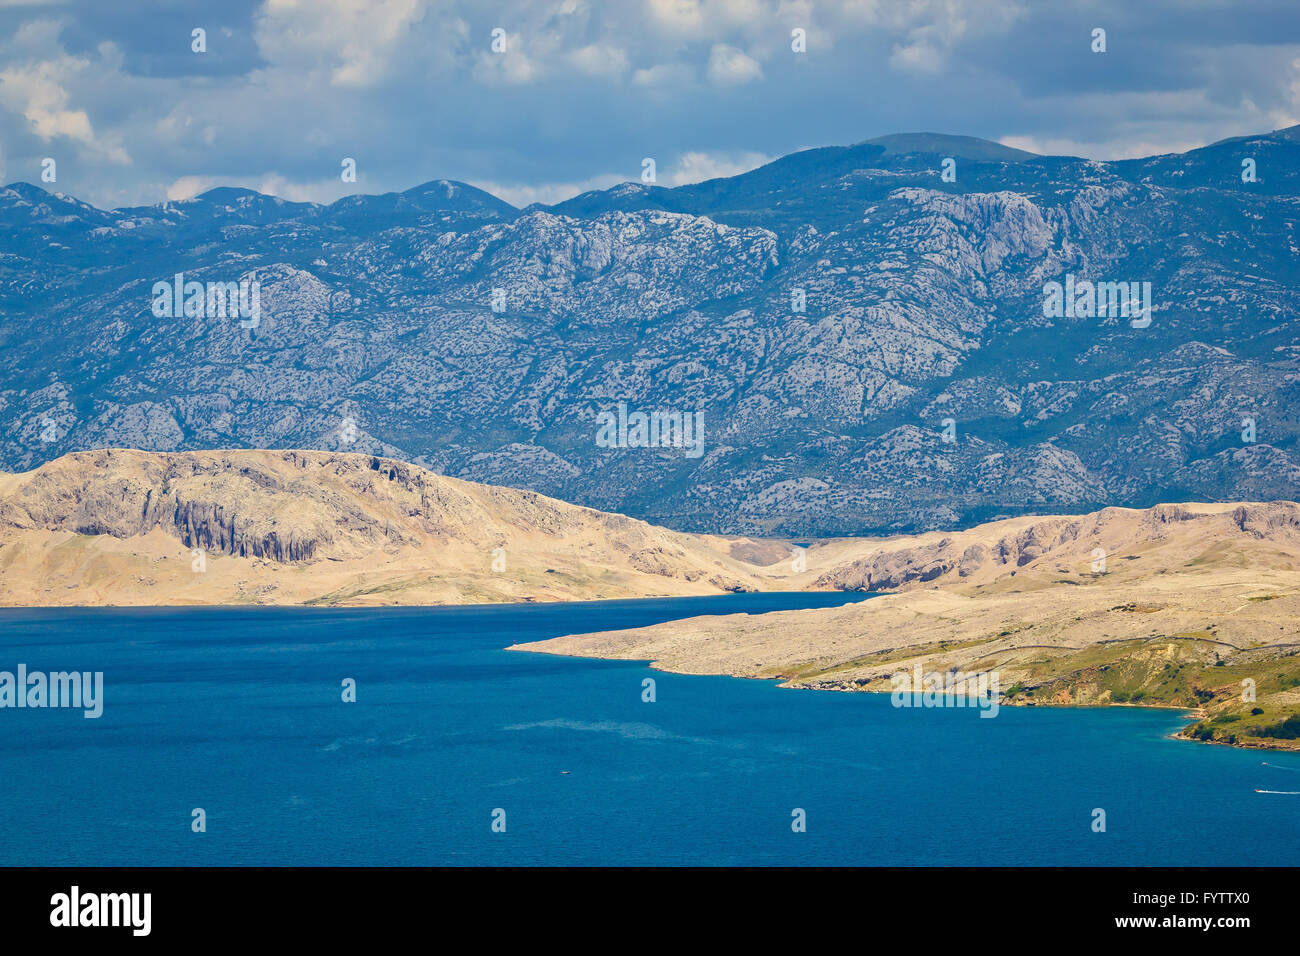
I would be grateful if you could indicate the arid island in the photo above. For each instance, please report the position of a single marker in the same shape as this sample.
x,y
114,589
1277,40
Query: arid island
x,y
1193,606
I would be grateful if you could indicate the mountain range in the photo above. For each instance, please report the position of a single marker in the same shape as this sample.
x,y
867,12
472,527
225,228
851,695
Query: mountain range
x,y
921,386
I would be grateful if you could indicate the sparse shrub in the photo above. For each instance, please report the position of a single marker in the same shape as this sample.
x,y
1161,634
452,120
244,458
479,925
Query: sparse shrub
x,y
1286,729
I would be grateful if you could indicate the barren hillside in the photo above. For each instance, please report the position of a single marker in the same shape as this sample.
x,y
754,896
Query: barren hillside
x,y
288,527
1188,601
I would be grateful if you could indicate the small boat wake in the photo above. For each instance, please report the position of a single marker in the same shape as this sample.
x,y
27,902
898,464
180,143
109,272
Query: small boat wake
x,y
1289,793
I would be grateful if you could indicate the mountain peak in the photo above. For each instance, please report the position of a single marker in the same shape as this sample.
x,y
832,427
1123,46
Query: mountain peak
x,y
234,194
962,147
449,194
29,193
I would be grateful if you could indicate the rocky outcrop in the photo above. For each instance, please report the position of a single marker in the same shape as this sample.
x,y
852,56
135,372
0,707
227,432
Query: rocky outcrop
x,y
323,526
987,552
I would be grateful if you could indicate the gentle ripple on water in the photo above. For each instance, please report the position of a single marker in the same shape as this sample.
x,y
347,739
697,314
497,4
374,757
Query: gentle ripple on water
x,y
238,711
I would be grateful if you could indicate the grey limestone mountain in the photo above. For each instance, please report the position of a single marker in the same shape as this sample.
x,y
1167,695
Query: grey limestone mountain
x,y
924,304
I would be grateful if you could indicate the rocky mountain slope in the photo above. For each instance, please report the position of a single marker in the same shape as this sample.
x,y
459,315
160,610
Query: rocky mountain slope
x,y
130,527
1195,606
923,313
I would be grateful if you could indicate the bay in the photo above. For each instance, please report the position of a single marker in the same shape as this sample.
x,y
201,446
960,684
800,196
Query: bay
x,y
238,711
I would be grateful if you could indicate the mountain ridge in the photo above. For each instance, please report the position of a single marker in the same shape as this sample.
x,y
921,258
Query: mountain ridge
x,y
918,382
121,526
959,146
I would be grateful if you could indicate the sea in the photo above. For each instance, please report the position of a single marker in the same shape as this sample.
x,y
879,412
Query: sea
x,y
229,736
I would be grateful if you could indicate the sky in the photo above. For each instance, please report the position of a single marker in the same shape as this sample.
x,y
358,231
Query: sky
x,y
577,93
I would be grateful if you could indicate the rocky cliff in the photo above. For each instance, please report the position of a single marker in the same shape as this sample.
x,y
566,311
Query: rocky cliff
x,y
127,527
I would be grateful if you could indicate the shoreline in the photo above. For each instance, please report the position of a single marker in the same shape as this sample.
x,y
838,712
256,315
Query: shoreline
x,y
1192,716
414,606
1189,714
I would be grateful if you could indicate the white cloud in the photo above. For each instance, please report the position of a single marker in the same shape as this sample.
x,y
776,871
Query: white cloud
x,y
511,67
548,193
585,86
680,16
925,31
665,76
598,60
917,58
692,167
1106,149
356,41
187,187
696,167
37,89
729,66
270,184
319,191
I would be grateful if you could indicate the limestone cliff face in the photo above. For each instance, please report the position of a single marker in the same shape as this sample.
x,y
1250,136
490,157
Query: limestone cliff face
x,y
312,509
284,506
989,551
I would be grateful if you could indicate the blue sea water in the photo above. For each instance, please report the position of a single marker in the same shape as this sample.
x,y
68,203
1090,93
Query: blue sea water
x,y
239,712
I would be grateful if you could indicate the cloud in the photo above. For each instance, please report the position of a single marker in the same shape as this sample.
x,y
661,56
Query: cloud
x,y
356,42
187,187
38,90
729,66
917,57
680,16
322,191
696,167
548,194
413,91
664,76
1101,149
925,32
692,167
509,66
598,60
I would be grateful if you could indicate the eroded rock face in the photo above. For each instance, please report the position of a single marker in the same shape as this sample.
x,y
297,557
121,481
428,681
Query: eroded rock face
x,y
293,507
923,304
988,552
223,502
121,527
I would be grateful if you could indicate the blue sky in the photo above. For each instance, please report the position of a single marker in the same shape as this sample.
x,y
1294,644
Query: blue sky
x,y
584,90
